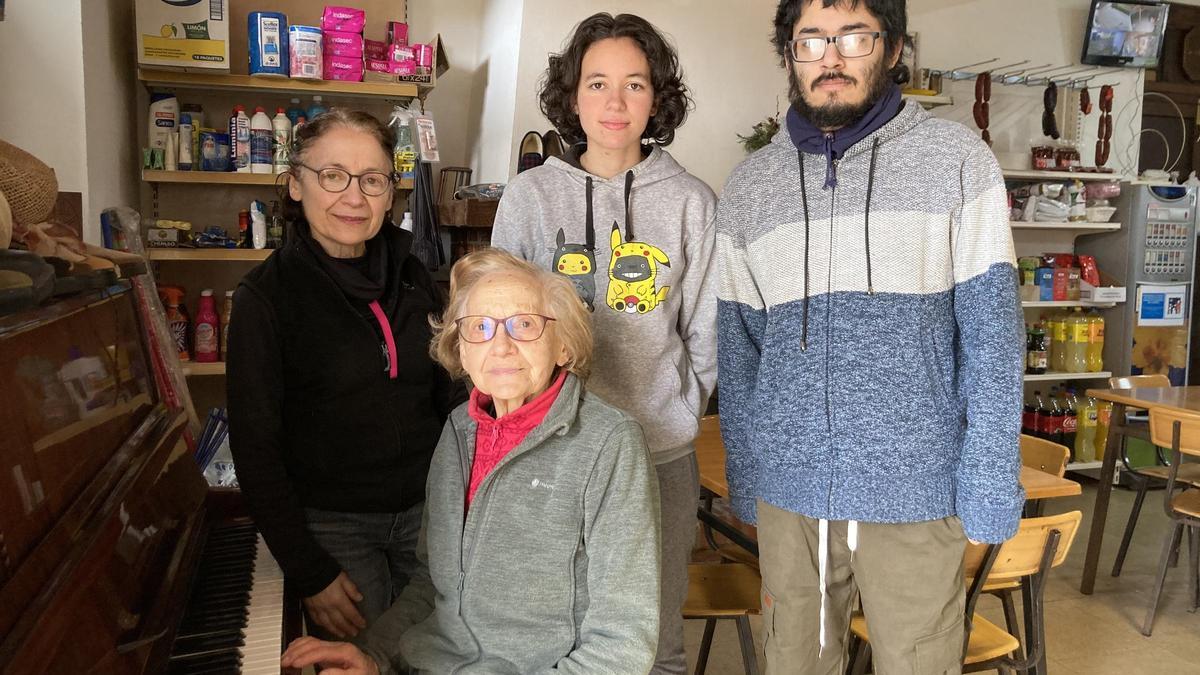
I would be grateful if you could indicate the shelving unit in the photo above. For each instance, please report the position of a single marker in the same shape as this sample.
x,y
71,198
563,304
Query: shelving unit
x,y
226,178
1068,304
1046,175
389,91
1056,376
193,369
210,254
1074,228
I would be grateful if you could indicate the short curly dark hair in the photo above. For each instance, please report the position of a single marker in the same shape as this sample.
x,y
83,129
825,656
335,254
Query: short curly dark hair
x,y
892,15
558,86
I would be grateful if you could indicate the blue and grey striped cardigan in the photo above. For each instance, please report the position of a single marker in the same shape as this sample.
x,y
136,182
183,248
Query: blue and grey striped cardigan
x,y
870,368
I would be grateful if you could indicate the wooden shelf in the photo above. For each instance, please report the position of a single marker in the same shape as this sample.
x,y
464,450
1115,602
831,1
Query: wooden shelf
x,y
1067,303
226,178
1077,228
1050,377
211,254
166,79
929,101
1032,174
193,369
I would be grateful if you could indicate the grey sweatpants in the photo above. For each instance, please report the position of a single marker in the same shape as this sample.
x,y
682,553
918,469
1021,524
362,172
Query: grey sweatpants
x,y
910,578
679,494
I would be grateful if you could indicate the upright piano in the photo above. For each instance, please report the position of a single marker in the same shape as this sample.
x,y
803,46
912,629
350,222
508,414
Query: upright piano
x,y
115,555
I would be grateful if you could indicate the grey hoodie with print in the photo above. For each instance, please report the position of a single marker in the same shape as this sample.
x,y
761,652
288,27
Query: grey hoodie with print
x,y
639,248
555,566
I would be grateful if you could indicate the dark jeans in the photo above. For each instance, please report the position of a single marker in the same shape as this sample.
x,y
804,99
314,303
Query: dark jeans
x,y
376,550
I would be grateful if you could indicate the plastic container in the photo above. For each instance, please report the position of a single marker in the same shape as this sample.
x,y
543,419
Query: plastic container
x,y
304,52
1075,359
262,135
281,141
185,158
258,225
1095,350
226,312
266,42
294,111
208,340
317,107
177,321
239,140
407,222
164,116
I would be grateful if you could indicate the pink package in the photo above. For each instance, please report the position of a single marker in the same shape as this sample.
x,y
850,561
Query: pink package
x,y
374,49
345,19
401,52
377,66
337,43
424,55
346,69
397,33
402,67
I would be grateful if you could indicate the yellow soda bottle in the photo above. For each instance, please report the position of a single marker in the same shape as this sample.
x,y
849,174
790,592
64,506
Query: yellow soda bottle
x,y
1103,417
1058,327
1095,349
1085,436
1077,342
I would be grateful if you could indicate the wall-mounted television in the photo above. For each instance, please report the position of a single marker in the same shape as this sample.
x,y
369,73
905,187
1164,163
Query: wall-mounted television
x,y
1128,33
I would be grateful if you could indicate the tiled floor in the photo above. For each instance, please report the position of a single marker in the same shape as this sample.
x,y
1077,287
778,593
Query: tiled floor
x,y
1098,634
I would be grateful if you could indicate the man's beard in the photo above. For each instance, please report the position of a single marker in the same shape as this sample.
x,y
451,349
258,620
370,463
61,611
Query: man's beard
x,y
836,115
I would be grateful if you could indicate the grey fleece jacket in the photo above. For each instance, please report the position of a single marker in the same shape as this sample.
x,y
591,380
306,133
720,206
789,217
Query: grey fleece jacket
x,y
555,567
647,273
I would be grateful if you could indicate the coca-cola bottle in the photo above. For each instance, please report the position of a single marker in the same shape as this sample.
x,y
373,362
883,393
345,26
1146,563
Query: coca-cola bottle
x,y
1029,415
1070,421
1058,415
1042,418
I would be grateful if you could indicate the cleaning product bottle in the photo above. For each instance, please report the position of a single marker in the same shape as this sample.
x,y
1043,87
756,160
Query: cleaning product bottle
x,y
281,141
317,107
407,222
295,111
164,115
208,335
239,140
404,153
300,122
261,135
177,322
275,227
185,142
258,225
226,312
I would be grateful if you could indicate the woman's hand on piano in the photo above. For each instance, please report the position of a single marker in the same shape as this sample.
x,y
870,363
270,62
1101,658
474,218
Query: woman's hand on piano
x,y
335,658
333,608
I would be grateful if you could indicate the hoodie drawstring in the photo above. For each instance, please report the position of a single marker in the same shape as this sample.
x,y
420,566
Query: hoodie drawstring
x,y
804,202
823,562
590,220
867,214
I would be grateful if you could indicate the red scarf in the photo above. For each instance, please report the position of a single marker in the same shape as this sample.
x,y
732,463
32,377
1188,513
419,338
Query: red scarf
x,y
495,438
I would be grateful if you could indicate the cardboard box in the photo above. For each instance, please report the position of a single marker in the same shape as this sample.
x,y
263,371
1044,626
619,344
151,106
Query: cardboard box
x,y
162,237
193,37
468,212
440,65
1102,293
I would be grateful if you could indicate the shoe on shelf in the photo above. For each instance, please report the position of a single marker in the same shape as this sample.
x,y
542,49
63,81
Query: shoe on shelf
x,y
20,266
531,152
552,144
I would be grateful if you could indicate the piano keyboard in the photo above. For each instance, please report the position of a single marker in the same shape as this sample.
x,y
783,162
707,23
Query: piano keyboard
x,y
234,618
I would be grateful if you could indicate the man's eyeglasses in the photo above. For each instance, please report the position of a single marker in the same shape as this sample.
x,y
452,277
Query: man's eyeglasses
x,y
850,46
333,179
520,327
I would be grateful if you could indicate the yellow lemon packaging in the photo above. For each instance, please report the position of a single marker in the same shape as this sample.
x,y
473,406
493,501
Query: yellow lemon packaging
x,y
183,34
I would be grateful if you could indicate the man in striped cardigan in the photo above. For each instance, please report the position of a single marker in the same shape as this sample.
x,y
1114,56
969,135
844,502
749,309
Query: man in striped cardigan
x,y
870,351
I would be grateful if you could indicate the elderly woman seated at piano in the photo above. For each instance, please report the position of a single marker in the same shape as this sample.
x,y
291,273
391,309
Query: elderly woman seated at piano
x,y
541,528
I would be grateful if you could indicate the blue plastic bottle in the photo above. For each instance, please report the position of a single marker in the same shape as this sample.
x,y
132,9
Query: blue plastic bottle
x,y
316,108
295,112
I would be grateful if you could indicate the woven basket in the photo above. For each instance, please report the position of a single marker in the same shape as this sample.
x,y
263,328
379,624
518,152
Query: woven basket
x,y
28,184
6,225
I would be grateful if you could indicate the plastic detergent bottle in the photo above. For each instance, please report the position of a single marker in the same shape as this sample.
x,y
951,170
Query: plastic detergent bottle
x,y
295,111
262,134
316,108
208,334
185,142
1095,350
226,312
281,142
1077,342
177,322
239,140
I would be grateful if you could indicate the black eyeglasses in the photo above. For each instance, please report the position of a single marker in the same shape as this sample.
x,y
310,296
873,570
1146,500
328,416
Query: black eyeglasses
x,y
333,179
520,327
850,46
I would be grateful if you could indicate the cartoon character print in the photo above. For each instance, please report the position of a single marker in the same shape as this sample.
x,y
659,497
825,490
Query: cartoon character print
x,y
578,263
632,273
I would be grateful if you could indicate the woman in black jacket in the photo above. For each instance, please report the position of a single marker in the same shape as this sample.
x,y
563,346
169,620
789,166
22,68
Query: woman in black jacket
x,y
335,405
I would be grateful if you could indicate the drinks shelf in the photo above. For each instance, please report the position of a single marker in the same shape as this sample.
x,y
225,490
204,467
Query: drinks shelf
x,y
1067,303
193,369
1055,376
165,79
1040,175
210,254
1084,466
1075,228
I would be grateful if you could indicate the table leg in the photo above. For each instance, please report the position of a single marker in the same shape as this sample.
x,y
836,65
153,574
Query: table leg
x,y
1039,668
1116,430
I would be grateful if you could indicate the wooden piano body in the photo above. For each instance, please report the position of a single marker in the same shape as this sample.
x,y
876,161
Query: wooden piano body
x,y
104,513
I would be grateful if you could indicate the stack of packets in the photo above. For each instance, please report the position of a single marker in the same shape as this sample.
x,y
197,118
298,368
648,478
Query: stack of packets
x,y
386,60
342,43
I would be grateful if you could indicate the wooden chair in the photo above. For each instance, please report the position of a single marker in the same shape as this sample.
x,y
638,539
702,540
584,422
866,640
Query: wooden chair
x,y
724,592
1039,545
1043,455
1180,432
1143,477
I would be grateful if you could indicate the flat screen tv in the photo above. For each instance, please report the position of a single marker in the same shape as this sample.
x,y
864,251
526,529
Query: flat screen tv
x,y
1126,33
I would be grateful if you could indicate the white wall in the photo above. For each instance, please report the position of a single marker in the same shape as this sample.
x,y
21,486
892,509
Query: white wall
x,y
110,110
41,87
494,155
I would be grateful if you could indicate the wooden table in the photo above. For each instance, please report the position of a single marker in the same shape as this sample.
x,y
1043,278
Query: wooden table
x,y
710,456
1186,399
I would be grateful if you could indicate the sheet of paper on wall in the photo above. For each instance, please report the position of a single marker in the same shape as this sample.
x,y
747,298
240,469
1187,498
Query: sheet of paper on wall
x,y
427,140
1161,305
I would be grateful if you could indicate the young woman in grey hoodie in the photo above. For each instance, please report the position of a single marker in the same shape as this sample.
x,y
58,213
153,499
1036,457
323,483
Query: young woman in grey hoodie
x,y
634,232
